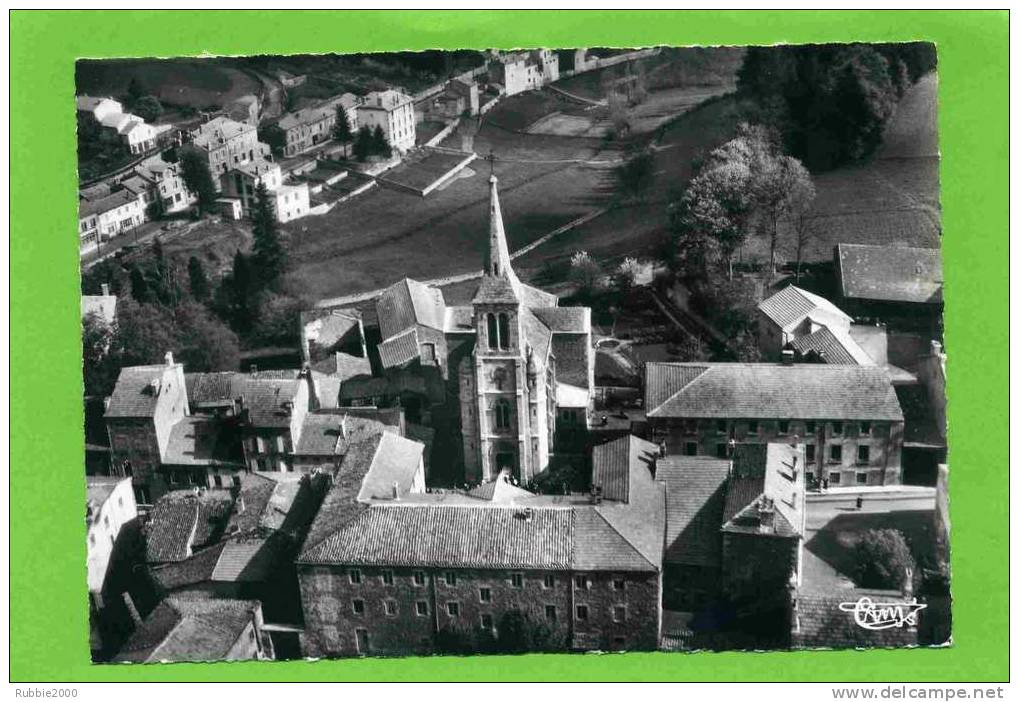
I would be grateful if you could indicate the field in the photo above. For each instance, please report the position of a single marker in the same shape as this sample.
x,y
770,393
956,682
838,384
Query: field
x,y
198,83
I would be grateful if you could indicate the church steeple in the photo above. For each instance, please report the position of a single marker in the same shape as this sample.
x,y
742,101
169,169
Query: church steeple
x,y
497,259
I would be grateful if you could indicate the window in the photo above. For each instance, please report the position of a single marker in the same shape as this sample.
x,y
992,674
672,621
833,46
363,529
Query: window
x,y
863,455
550,612
517,579
485,594
835,478
502,414
836,453
549,581
422,608
486,621
419,577
811,427
865,428
836,428
810,453
619,613
783,426
361,637
861,478
580,582
721,426
355,576
450,578
390,606
690,449
753,427
453,609
582,613
721,450
357,606
618,584
493,332
504,331
387,577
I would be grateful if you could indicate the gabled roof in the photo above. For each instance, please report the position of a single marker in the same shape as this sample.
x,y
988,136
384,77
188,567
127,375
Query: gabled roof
x,y
400,349
889,273
181,629
184,521
137,391
106,204
617,463
834,346
695,497
791,305
565,320
407,303
769,391
196,440
394,463
331,434
499,490
265,400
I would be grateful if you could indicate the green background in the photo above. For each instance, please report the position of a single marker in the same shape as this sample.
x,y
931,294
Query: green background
x,y
49,629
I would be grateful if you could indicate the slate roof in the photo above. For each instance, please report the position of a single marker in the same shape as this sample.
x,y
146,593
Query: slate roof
x,y
791,305
695,498
201,441
573,359
137,391
832,346
181,629
183,521
399,349
890,273
407,303
615,464
769,391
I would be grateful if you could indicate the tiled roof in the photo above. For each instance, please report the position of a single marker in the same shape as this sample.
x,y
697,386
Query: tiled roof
x,y
616,462
183,521
210,388
573,359
766,471
565,320
208,135
459,319
327,327
537,335
246,560
180,629
890,273
342,366
493,290
265,399
499,490
791,305
821,624
201,441
408,302
833,345
110,202
137,391
309,115
399,349
176,575
748,521
739,493
695,497
769,390
384,100
331,434
394,462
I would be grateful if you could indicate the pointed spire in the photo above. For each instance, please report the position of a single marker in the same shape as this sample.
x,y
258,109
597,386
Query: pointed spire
x,y
498,262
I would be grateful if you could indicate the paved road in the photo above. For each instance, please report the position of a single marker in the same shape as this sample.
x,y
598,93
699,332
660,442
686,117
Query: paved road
x,y
821,511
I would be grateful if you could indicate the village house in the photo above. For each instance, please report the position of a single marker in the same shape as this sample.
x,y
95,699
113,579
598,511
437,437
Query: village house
x,y
226,144
388,568
523,70
166,184
847,417
393,111
310,126
110,510
183,629
106,217
107,117
288,202
245,109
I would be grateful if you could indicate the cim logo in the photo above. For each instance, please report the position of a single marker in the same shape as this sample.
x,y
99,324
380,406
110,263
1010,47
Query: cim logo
x,y
882,615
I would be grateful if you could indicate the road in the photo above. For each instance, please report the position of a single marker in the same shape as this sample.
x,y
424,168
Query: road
x,y
822,509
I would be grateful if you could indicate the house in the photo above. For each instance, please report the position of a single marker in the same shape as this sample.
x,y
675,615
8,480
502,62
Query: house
x,y
329,333
102,219
524,70
847,417
393,111
244,109
734,526
326,438
226,144
308,127
272,414
166,184
196,629
900,284
95,109
797,317
468,90
390,569
288,202
107,117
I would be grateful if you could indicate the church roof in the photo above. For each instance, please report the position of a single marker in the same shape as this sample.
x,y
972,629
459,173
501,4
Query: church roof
x,y
408,303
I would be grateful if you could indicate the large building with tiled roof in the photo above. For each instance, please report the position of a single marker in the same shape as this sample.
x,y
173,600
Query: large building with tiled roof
x,y
847,416
401,570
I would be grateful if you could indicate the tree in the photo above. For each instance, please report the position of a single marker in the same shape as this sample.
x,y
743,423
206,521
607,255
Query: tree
x,y
198,179
278,322
145,332
135,91
626,275
204,342
883,560
341,130
275,137
199,283
635,176
363,144
236,298
585,272
96,339
803,230
148,108
268,256
619,114
139,285
380,145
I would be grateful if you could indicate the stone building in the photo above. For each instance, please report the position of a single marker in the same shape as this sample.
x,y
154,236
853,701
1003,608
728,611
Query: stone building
x,y
389,568
226,144
847,417
393,111
524,70
798,320
310,126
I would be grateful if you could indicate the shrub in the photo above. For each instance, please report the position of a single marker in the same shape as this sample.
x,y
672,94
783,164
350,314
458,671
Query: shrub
x,y
883,560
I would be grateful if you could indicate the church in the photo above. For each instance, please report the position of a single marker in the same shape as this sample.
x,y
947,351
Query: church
x,y
532,367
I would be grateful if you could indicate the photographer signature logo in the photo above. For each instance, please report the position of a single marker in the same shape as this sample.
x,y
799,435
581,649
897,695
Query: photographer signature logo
x,y
882,615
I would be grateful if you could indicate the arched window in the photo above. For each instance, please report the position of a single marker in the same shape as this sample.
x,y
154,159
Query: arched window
x,y
493,332
502,414
504,332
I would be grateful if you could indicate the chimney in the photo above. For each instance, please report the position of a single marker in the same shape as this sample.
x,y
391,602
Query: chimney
x,y
169,358
396,490
131,609
766,511
106,288
788,355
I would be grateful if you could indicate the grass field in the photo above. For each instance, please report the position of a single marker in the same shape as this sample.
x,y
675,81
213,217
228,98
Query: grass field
x,y
197,83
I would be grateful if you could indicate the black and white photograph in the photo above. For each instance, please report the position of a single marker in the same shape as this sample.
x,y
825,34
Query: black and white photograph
x,y
499,351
